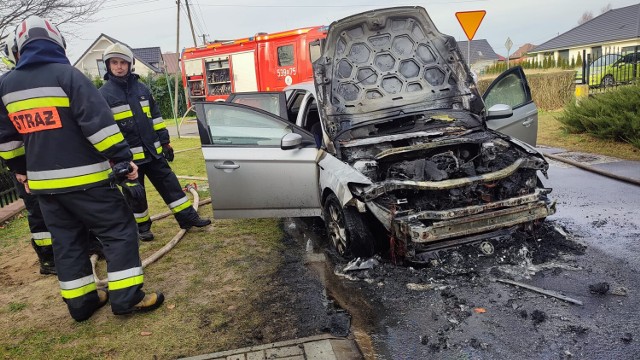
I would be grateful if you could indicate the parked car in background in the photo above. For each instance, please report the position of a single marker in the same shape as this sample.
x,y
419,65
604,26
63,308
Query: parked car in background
x,y
391,143
596,68
623,70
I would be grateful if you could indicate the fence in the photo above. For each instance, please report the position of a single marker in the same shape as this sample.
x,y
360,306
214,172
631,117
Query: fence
x,y
8,193
603,72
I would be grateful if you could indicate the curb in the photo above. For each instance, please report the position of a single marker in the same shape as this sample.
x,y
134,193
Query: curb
x,y
11,210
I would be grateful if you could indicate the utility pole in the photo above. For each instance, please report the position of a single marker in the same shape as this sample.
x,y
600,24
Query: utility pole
x,y
175,97
193,34
204,39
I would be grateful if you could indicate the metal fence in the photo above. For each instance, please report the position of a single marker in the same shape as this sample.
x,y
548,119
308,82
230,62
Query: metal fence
x,y
8,192
606,71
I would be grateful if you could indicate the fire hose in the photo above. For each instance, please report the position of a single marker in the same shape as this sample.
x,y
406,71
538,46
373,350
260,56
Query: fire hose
x,y
165,249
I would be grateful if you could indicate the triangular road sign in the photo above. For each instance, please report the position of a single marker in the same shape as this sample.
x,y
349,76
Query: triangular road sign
x,y
470,21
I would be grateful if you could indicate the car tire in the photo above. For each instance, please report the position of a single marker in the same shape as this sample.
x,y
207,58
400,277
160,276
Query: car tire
x,y
608,81
347,231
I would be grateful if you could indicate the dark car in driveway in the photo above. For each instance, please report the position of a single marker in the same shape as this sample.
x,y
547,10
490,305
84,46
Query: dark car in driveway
x,y
392,143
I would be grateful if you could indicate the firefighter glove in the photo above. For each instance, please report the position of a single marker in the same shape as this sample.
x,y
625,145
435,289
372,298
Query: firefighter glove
x,y
120,170
167,152
133,189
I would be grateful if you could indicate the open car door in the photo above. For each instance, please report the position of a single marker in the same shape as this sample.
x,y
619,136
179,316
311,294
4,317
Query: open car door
x,y
258,164
274,102
511,88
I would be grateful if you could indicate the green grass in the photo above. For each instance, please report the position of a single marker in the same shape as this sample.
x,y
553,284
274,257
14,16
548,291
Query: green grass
x,y
214,280
551,132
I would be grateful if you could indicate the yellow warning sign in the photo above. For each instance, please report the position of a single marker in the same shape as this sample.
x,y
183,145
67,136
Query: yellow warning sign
x,y
470,21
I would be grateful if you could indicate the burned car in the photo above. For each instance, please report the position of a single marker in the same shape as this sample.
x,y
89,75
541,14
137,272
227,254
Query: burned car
x,y
391,144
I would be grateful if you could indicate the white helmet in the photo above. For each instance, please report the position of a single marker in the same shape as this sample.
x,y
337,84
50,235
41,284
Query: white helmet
x,y
120,51
9,50
34,28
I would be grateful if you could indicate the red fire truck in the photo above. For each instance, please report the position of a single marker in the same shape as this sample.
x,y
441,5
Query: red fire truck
x,y
264,62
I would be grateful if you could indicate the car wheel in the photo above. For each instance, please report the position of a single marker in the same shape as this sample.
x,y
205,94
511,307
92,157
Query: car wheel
x,y
349,234
608,81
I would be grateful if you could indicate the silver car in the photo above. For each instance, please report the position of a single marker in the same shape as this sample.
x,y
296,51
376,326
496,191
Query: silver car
x,y
391,143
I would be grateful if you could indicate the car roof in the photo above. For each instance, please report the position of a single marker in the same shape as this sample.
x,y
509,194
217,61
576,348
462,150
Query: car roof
x,y
305,85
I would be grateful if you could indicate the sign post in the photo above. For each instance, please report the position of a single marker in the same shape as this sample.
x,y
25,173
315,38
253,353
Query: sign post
x,y
508,44
470,22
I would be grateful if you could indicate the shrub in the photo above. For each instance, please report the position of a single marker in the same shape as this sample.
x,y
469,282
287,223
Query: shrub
x,y
160,91
612,115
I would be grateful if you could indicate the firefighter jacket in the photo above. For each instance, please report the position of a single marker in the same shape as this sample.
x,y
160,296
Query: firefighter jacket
x,y
55,125
138,116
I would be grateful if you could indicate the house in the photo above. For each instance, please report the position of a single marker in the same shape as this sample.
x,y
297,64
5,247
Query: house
x,y
521,54
171,63
615,31
481,54
147,60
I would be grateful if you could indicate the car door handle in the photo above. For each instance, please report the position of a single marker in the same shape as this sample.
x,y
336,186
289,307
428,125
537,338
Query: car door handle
x,y
528,122
227,165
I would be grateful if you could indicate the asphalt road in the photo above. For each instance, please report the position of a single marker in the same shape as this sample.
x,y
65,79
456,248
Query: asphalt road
x,y
418,314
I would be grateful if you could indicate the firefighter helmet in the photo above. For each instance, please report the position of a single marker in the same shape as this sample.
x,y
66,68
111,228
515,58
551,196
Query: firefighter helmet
x,y
119,51
35,28
9,50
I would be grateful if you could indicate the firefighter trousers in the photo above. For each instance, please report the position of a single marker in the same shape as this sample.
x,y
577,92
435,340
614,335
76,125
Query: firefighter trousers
x,y
69,216
167,184
41,239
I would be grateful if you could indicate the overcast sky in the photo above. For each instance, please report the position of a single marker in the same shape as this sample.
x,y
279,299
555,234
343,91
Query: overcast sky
x,y
147,23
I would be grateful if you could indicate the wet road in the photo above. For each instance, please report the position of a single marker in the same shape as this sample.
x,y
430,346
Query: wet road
x,y
405,313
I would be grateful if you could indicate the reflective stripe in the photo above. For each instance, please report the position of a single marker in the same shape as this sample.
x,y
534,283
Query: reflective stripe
x,y
138,153
106,138
37,103
158,147
76,288
180,204
142,217
147,111
42,238
11,149
125,278
40,92
144,103
158,124
64,178
121,112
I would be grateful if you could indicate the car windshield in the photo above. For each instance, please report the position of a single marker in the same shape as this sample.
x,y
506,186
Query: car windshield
x,y
605,60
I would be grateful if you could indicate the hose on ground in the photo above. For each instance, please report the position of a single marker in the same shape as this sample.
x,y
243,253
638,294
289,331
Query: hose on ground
x,y
162,251
592,169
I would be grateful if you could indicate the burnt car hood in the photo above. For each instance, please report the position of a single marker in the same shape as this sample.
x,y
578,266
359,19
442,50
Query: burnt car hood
x,y
382,64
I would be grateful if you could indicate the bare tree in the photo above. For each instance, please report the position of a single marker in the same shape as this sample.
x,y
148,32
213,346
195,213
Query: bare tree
x,y
59,11
586,16
606,8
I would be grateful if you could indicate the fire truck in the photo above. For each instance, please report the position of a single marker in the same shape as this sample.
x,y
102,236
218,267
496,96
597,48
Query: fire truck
x,y
264,62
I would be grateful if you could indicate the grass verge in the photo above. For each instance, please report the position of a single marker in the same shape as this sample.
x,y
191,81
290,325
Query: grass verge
x,y
551,133
214,280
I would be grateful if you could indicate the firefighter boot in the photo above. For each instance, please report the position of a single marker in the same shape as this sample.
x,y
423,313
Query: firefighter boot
x,y
196,221
150,302
45,257
103,297
144,231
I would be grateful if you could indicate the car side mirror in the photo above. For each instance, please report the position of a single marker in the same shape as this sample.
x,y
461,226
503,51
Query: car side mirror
x,y
291,141
499,111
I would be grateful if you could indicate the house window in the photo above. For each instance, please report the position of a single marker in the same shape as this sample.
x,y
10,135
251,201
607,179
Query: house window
x,y
285,55
563,54
596,52
102,70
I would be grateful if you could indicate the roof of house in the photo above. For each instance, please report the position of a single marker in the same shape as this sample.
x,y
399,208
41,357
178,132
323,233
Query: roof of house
x,y
613,25
144,55
479,49
171,62
522,51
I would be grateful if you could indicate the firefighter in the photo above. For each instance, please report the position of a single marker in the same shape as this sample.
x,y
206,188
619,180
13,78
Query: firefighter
x,y
40,235
138,116
41,239
59,137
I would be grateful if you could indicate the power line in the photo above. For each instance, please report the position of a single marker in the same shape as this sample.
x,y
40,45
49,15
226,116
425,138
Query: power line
x,y
329,6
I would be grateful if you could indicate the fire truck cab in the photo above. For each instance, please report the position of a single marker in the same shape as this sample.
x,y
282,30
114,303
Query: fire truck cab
x,y
264,62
